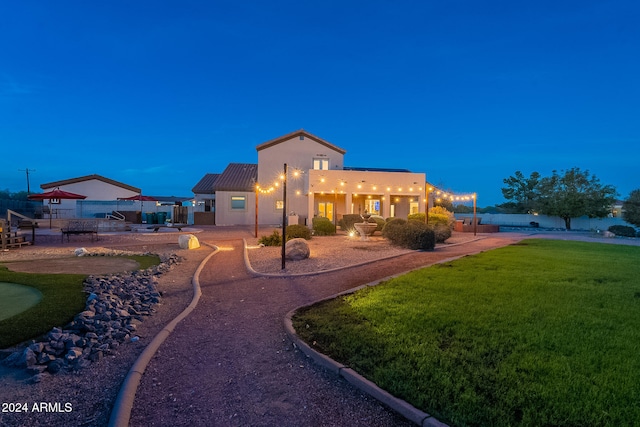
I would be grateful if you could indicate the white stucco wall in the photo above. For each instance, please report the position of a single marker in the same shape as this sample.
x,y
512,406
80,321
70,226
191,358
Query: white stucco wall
x,y
227,216
298,154
94,189
391,188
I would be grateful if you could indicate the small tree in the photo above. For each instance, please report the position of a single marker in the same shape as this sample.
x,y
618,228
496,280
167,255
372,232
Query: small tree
x,y
521,192
631,208
574,194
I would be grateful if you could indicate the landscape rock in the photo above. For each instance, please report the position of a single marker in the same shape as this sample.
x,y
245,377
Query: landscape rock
x,y
297,249
81,252
114,306
188,241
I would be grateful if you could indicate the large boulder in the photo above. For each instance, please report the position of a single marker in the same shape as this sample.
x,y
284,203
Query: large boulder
x,y
296,249
188,241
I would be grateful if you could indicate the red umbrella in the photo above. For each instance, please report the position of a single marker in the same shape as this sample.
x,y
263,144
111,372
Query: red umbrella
x,y
139,197
56,193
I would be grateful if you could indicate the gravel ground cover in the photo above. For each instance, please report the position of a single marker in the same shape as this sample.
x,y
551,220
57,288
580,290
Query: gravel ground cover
x,y
230,362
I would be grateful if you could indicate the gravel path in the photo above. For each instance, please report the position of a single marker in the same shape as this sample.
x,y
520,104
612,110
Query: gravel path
x,y
230,362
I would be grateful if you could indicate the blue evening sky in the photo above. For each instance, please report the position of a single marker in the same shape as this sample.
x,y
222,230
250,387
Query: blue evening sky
x,y
157,93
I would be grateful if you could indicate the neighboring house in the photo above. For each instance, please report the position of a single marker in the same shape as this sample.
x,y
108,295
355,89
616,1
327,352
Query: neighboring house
x,y
204,192
318,184
94,187
235,194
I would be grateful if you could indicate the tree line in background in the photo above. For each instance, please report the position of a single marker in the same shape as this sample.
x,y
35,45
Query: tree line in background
x,y
568,194
8,195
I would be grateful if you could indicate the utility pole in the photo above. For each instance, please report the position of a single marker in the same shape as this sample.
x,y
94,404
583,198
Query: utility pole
x,y
27,170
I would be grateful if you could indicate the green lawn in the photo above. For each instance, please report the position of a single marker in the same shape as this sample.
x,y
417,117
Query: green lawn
x,y
539,333
62,298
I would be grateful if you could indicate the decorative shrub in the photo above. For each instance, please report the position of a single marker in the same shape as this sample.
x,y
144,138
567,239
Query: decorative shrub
x,y
347,221
420,216
419,236
623,230
439,210
442,232
273,240
323,226
393,231
438,219
409,234
298,231
379,220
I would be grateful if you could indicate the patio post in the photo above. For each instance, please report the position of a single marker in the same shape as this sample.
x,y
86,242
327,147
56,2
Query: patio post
x,y
284,215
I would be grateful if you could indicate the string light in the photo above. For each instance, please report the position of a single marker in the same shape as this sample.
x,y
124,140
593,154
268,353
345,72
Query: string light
x,y
451,196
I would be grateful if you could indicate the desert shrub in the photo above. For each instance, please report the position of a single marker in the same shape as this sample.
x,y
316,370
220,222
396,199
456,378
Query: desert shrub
x,y
347,221
420,216
323,226
378,220
441,231
393,231
439,210
419,236
272,240
438,219
298,231
623,230
409,234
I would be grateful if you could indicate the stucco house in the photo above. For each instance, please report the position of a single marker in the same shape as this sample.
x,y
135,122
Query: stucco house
x,y
318,184
94,187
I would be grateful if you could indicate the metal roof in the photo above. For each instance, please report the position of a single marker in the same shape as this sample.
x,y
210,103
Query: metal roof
x,y
205,185
237,177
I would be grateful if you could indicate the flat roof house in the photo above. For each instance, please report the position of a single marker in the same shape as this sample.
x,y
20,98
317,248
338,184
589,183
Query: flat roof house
x,y
318,184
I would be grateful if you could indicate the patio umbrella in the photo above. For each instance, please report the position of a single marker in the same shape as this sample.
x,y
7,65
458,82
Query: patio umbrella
x,y
56,193
141,198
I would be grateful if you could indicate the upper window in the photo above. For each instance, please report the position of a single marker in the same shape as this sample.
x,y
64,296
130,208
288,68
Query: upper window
x,y
238,203
321,164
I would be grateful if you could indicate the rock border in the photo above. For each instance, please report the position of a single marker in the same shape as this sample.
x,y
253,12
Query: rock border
x,y
115,305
